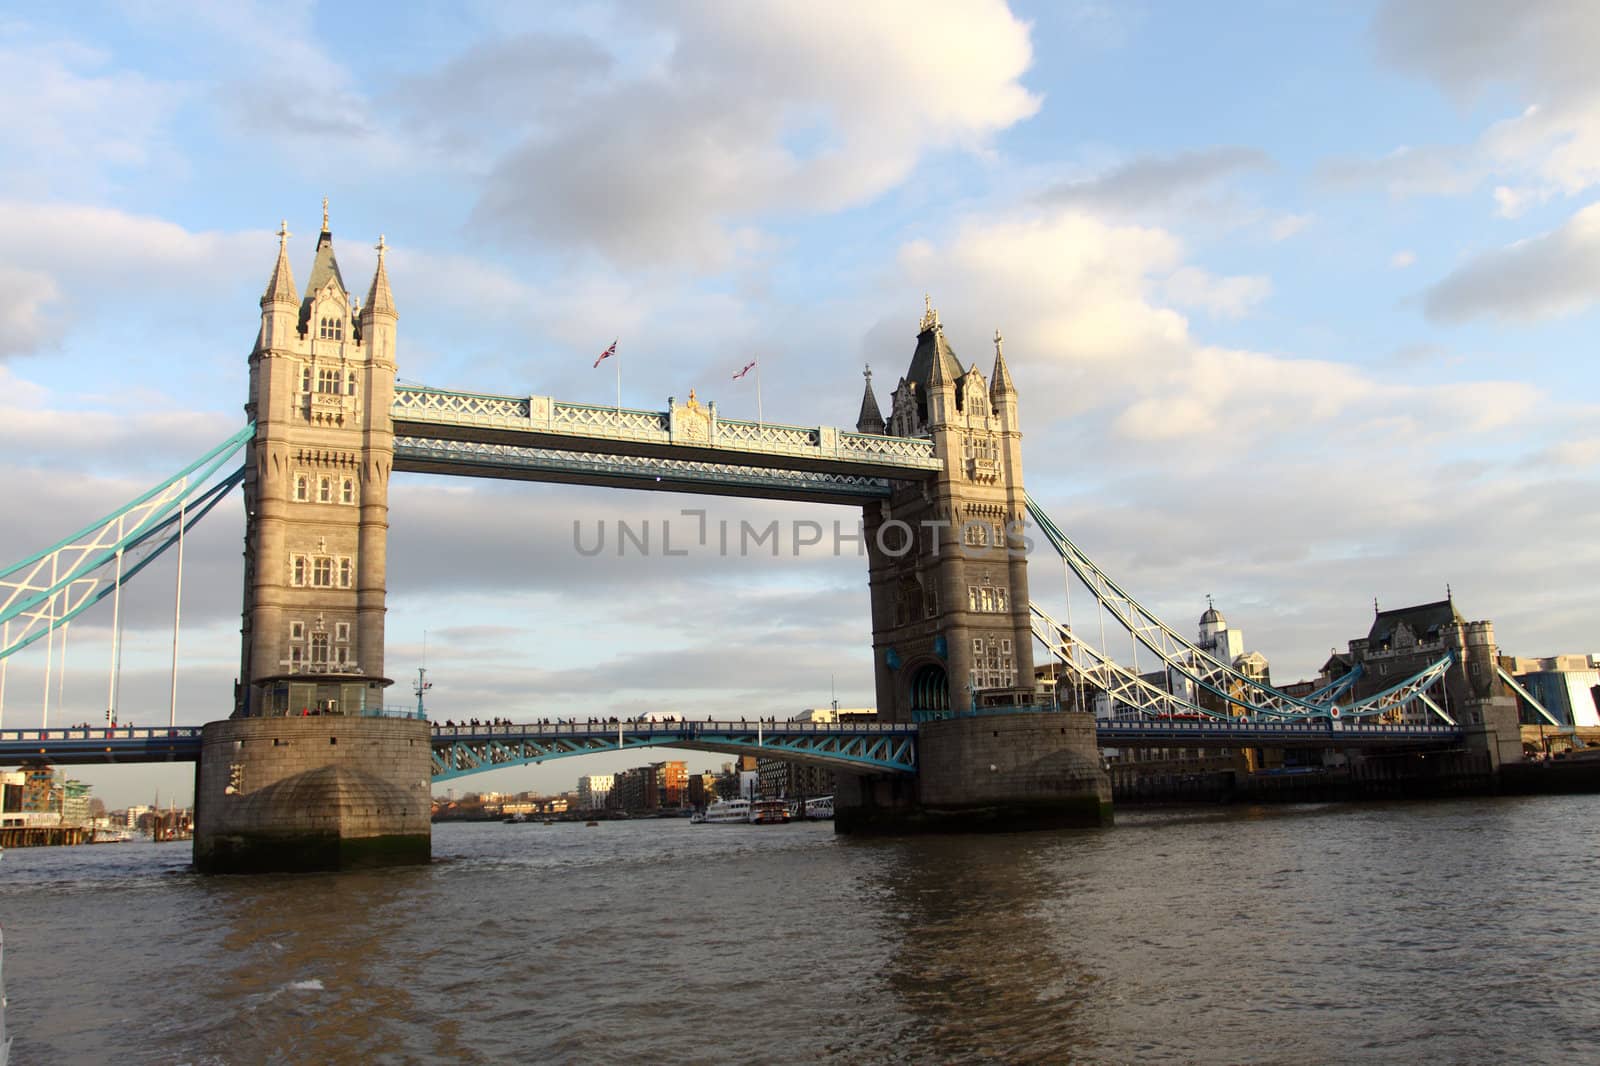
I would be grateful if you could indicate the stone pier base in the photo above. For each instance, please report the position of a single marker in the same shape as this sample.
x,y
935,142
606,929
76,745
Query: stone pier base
x,y
993,773
319,793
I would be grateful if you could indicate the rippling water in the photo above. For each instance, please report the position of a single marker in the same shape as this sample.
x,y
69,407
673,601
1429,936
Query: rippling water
x,y
1440,932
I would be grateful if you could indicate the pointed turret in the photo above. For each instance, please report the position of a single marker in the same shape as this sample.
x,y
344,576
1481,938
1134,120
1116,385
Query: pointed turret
x,y
870,419
1000,381
280,287
379,316
379,299
278,302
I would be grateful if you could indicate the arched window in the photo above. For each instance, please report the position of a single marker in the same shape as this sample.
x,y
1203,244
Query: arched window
x,y
350,384
331,329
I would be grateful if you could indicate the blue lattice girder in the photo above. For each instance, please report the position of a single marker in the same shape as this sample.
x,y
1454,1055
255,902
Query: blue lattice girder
x,y
50,588
862,748
479,459
686,432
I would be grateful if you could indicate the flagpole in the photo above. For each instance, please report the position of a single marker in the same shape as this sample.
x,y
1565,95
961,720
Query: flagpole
x,y
618,358
760,418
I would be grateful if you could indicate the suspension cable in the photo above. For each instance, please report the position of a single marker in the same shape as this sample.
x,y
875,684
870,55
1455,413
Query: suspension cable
x,y
177,614
116,649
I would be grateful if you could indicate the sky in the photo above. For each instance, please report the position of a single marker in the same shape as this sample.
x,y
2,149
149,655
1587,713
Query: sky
x,y
1299,301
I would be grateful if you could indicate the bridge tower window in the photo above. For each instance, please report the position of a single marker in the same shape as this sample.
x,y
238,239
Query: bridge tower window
x,y
322,572
319,649
329,381
305,378
331,329
346,572
297,631
302,487
341,631
297,570
347,490
324,489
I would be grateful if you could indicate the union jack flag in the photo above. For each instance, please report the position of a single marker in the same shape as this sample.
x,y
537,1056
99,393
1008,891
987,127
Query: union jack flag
x,y
606,354
747,368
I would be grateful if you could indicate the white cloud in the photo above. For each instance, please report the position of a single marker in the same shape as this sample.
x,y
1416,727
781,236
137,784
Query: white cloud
x,y
1542,48
1429,170
61,264
807,108
1232,297
1555,273
1402,259
1150,182
69,124
25,300
1286,226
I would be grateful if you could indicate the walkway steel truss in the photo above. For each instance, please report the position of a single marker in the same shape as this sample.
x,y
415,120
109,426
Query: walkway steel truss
x,y
480,459
695,432
862,748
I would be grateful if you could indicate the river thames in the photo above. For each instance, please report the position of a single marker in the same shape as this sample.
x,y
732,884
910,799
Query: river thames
x,y
1442,932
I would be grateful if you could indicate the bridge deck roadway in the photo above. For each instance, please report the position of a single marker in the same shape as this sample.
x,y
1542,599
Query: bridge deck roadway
x,y
862,747
1176,733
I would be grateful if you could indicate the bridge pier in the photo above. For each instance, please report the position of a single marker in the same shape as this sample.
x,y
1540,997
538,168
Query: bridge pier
x,y
313,793
1038,770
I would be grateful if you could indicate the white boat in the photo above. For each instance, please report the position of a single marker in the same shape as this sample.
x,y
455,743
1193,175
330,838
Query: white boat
x,y
724,812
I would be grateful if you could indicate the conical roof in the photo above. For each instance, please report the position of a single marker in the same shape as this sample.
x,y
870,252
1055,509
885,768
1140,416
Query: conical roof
x,y
1000,381
934,362
280,287
323,269
379,299
871,419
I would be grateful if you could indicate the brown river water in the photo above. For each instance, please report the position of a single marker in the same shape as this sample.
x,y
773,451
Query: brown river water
x,y
1444,932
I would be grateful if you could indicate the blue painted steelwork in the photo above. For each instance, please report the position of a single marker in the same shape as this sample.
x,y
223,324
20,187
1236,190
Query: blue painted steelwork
x,y
489,459
877,747
1187,660
100,744
50,588
1317,734
1338,687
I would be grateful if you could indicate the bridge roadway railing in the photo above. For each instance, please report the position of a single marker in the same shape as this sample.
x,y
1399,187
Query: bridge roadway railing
x,y
862,746
459,750
684,433
101,744
1229,733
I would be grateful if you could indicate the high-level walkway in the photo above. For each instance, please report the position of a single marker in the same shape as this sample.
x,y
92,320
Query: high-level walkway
x,y
686,448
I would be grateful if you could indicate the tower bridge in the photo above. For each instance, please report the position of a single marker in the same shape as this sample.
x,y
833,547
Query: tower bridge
x,y
308,770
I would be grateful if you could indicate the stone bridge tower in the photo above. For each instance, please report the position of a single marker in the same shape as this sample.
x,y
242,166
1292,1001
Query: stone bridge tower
x,y
951,636
308,773
317,493
948,573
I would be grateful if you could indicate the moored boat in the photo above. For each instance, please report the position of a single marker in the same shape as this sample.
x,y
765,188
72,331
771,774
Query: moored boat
x,y
769,812
724,812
